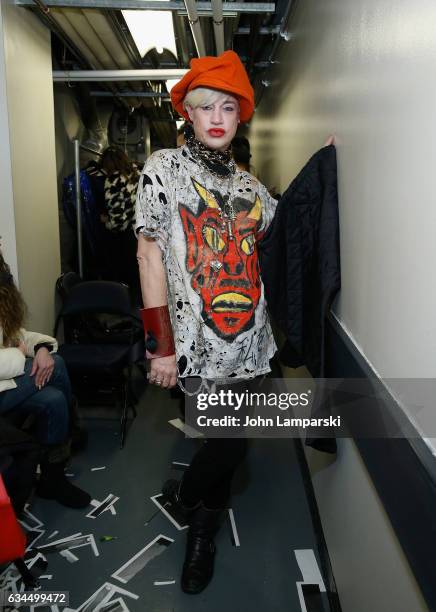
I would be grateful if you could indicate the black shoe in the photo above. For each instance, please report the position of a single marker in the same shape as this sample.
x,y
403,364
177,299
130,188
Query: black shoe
x,y
53,484
200,550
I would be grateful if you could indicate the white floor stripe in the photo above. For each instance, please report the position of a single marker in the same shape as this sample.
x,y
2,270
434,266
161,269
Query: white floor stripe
x,y
190,432
309,567
233,524
301,596
154,499
138,555
163,582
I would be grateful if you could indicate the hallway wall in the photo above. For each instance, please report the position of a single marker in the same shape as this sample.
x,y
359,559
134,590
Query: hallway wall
x,y
363,70
7,217
29,87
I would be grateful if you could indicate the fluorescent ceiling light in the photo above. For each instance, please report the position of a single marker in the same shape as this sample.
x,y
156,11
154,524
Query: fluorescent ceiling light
x,y
151,29
170,83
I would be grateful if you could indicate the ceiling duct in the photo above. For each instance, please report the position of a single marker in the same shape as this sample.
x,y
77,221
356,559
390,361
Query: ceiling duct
x,y
194,22
218,25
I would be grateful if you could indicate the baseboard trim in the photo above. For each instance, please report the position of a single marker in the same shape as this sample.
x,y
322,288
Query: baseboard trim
x,y
403,471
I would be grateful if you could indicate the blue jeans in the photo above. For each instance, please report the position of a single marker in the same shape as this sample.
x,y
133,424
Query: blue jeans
x,y
50,405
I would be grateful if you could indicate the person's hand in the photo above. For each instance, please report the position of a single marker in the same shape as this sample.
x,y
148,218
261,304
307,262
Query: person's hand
x,y
163,371
22,347
42,367
331,140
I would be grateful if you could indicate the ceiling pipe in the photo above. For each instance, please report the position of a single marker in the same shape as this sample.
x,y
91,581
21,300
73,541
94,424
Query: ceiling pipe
x,y
194,22
117,75
130,94
229,8
264,31
218,25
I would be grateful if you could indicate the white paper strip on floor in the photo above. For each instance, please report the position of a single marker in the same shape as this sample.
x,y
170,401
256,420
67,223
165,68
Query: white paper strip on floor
x,y
163,582
69,556
111,506
70,543
53,608
33,536
235,535
73,536
189,432
309,567
169,512
179,465
102,596
154,548
116,605
36,522
301,596
104,505
10,578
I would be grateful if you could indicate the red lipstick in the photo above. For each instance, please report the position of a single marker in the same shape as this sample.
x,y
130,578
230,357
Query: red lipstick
x,y
216,132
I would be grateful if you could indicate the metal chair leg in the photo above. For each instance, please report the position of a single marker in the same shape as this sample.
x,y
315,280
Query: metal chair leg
x,y
30,582
123,422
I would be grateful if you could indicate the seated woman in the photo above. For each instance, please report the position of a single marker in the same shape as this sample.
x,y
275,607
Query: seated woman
x,y
34,381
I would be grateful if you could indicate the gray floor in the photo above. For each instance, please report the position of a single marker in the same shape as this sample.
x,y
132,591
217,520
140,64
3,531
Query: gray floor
x,y
269,504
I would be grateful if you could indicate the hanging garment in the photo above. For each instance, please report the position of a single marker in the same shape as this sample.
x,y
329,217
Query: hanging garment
x,y
120,199
300,261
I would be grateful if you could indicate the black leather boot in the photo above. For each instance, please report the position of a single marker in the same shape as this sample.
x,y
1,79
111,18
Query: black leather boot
x,y
53,484
200,550
171,490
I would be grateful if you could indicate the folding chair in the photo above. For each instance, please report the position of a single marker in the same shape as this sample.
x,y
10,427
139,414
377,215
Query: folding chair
x,y
103,339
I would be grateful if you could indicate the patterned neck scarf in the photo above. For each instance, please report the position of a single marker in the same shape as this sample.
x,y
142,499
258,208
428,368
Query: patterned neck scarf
x,y
219,163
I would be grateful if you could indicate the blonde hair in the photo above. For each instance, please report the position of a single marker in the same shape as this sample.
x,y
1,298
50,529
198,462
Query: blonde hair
x,y
202,96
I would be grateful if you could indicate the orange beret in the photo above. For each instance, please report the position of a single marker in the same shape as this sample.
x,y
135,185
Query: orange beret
x,y
225,73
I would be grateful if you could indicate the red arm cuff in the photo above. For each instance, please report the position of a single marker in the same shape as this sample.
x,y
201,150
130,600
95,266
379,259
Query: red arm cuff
x,y
159,340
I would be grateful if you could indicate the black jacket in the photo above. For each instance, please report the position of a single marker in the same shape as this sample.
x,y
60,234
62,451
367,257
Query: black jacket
x,y
299,261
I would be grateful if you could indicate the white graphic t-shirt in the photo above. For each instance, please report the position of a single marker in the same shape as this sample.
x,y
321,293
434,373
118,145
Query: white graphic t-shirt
x,y
207,228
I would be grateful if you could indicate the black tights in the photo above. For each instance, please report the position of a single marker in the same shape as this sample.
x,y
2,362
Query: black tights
x,y
209,476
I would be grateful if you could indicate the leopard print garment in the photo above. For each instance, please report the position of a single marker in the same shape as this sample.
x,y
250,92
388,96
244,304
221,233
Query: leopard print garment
x,y
120,197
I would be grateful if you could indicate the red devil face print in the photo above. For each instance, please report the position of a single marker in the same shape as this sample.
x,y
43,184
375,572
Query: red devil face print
x,y
221,255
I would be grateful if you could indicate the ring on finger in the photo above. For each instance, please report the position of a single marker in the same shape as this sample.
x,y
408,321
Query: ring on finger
x,y
158,382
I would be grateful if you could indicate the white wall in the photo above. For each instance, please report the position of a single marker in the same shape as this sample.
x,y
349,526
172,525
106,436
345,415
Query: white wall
x,y
29,87
365,71
7,218
370,568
